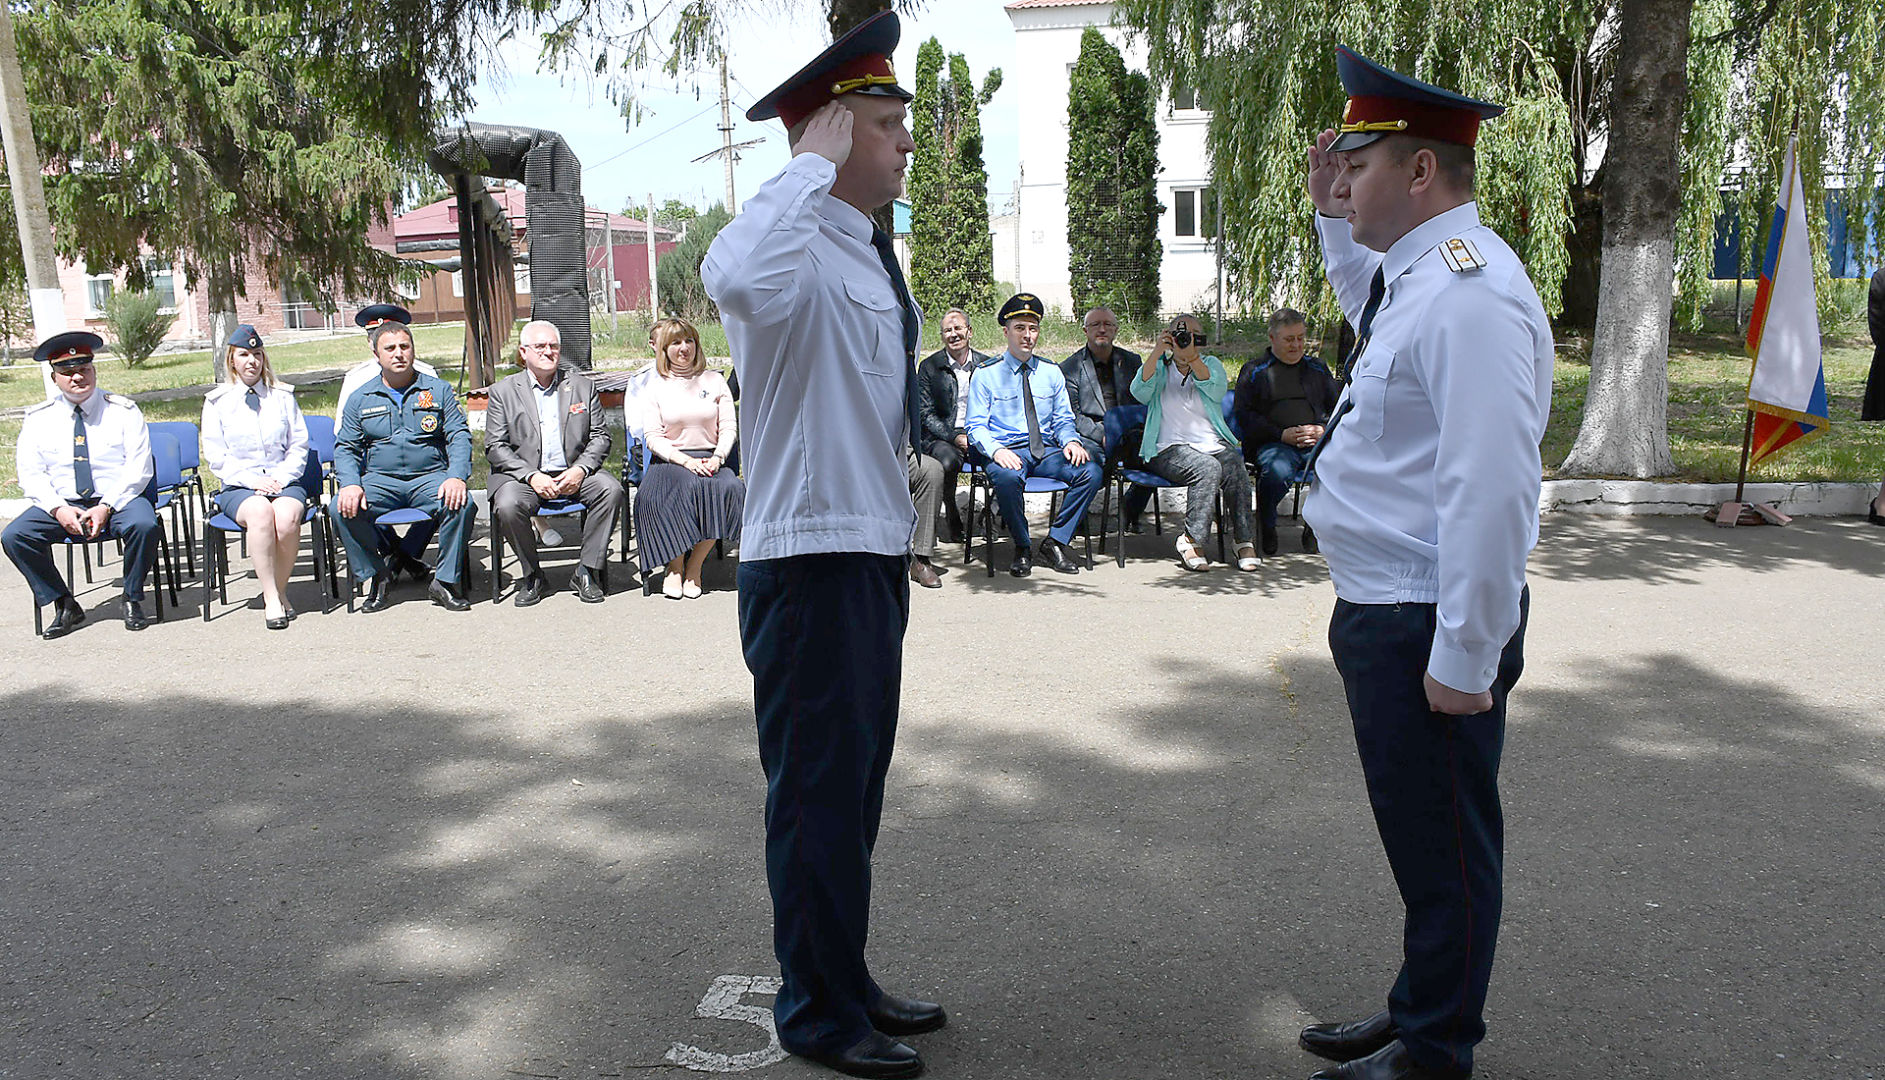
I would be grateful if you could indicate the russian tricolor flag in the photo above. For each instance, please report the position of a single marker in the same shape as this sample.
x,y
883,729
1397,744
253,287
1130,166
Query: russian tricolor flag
x,y
1787,389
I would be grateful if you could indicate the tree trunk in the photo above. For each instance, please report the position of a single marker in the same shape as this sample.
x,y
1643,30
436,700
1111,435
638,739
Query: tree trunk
x,y
1626,411
221,283
1584,248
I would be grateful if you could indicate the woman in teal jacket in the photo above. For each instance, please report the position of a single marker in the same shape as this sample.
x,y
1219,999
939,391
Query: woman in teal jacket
x,y
1187,441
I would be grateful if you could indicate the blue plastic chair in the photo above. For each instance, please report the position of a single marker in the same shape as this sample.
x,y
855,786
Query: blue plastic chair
x,y
218,526
1033,485
189,476
552,508
1116,423
321,441
166,478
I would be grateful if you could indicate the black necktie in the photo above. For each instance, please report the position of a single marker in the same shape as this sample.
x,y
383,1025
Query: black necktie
x,y
81,455
1035,446
888,256
1377,289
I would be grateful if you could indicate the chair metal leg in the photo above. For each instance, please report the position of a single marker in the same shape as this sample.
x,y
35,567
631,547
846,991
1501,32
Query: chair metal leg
x,y
497,559
1119,505
210,576
988,530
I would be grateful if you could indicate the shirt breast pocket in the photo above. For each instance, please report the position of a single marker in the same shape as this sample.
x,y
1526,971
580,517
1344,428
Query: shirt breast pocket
x,y
428,424
1370,391
880,351
377,425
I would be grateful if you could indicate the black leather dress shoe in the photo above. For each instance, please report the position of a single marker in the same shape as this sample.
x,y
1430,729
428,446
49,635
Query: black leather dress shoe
x,y
905,1016
1391,1062
1309,540
1023,564
66,617
588,585
1268,538
529,590
134,616
442,595
874,1056
924,574
1346,1042
411,567
377,587
279,623
1873,517
1055,554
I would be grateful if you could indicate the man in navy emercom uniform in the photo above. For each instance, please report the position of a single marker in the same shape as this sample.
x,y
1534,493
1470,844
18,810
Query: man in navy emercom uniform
x,y
403,443
1425,498
823,334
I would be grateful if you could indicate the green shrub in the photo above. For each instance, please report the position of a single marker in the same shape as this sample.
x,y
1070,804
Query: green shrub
x,y
678,272
137,324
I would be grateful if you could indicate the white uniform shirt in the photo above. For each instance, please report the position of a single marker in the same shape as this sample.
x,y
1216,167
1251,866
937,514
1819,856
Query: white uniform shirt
x,y
817,337
1427,491
363,373
550,427
116,440
962,375
632,411
246,445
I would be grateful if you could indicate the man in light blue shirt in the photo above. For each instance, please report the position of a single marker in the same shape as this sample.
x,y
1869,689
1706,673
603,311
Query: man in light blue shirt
x,y
1021,422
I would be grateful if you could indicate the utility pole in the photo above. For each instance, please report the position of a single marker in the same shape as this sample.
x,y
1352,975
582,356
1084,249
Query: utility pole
x,y
728,150
29,196
608,247
654,283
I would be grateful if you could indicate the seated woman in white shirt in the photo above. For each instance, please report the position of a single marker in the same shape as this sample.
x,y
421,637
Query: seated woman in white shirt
x,y
256,442
688,498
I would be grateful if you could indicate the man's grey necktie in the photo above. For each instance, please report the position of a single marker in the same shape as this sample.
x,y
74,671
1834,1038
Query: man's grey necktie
x,y
1035,445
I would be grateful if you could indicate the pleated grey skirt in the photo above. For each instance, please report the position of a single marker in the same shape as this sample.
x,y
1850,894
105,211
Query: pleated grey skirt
x,y
675,509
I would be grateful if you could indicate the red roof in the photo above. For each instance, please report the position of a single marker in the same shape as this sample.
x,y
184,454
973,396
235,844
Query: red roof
x,y
439,220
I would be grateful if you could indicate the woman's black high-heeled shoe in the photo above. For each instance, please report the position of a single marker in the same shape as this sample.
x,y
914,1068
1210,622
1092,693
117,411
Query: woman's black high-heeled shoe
x,y
1872,516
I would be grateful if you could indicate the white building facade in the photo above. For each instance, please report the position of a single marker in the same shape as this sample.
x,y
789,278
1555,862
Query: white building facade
x,y
1047,43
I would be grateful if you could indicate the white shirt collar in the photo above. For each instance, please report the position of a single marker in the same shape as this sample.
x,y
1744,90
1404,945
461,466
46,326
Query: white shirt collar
x,y
1426,236
849,218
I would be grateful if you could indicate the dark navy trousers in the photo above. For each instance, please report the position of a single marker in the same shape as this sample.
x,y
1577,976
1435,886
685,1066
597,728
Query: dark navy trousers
x,y
1433,781
823,637
30,538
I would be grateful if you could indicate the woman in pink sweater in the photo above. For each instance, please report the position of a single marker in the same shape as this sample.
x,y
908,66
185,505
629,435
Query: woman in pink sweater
x,y
688,497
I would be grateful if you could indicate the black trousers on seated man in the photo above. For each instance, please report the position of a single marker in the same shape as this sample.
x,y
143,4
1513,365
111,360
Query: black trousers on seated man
x,y
515,504
1433,782
30,538
823,637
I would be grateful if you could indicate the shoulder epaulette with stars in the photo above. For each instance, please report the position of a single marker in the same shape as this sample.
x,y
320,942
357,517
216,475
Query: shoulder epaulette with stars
x,y
1461,255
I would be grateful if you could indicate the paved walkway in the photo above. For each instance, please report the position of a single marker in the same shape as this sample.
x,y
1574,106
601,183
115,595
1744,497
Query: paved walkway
x,y
1125,834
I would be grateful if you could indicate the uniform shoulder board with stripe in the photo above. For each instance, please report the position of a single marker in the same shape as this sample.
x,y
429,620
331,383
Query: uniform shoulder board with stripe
x,y
120,400
1461,255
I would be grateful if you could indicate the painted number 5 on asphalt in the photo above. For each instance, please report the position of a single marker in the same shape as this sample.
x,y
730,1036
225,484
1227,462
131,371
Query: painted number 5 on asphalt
x,y
722,1002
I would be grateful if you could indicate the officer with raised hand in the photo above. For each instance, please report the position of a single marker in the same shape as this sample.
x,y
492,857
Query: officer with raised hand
x,y
84,461
1425,499
823,334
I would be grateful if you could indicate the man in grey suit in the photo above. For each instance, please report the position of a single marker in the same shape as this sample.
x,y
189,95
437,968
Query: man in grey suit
x,y
528,470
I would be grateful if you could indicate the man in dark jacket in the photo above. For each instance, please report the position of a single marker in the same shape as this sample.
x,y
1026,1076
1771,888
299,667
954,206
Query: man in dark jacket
x,y
1873,408
1282,403
1099,378
942,388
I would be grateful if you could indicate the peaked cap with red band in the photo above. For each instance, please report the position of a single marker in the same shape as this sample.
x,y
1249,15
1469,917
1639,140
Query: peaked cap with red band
x,y
857,63
70,349
374,314
1383,103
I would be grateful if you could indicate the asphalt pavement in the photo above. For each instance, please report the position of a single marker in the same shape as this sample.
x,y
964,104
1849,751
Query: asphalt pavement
x,y
1125,834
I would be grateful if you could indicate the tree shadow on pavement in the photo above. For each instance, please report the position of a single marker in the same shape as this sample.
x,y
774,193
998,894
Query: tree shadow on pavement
x,y
1168,885
1675,549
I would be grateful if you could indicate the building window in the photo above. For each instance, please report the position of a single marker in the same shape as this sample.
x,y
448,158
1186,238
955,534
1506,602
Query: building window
x,y
458,283
1194,212
523,281
163,279
98,290
1187,98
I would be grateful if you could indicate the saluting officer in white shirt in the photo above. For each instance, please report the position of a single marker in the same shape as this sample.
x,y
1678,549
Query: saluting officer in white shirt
x,y
1425,499
256,442
84,460
823,336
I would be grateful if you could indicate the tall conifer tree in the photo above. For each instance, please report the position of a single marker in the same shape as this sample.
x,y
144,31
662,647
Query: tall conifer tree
x,y
952,256
1113,247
